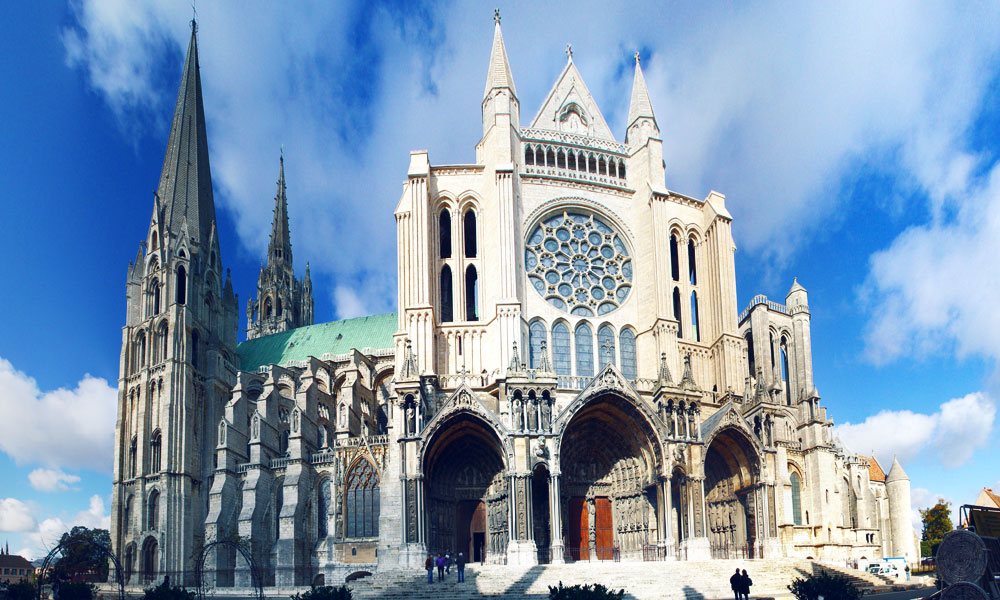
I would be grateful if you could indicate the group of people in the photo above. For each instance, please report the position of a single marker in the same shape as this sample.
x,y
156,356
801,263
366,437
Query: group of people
x,y
741,582
443,562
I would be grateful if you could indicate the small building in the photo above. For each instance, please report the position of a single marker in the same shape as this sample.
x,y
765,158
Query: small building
x,y
14,568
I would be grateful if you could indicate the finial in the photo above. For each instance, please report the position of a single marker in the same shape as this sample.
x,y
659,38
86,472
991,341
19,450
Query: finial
x,y
496,16
569,51
636,57
281,153
194,17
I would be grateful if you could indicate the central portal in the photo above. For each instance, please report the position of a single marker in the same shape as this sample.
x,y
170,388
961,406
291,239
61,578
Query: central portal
x,y
609,465
730,486
466,491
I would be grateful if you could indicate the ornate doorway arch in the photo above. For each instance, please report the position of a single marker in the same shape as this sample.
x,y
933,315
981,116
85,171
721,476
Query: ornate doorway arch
x,y
465,473
610,458
732,480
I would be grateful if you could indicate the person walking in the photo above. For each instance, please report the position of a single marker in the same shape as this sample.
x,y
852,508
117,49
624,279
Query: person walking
x,y
447,560
736,583
460,563
745,583
440,565
429,565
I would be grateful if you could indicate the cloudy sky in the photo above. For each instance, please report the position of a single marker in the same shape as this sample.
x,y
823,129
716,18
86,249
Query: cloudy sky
x,y
857,147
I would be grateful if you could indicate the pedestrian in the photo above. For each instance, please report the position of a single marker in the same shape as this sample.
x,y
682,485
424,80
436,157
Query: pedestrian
x,y
745,583
447,560
429,565
460,563
736,583
440,565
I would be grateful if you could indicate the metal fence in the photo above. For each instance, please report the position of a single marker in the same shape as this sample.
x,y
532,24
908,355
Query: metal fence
x,y
737,551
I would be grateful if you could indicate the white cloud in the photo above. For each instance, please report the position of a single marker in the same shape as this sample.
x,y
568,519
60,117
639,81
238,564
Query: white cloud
x,y
935,287
52,480
347,303
923,498
47,532
60,428
949,436
15,515
780,104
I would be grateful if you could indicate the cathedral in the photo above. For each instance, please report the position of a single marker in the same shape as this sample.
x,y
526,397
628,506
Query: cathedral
x,y
567,376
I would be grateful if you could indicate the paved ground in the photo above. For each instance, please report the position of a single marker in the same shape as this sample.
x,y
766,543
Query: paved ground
x,y
907,595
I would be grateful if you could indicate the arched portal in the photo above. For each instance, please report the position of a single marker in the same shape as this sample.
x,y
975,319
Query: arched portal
x,y
731,498
466,490
610,465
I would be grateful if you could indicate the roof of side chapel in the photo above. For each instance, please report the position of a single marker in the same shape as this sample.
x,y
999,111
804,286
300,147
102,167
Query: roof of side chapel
x,y
875,472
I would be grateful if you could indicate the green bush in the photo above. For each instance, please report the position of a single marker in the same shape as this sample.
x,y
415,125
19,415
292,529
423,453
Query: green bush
x,y
825,585
21,591
69,590
166,592
326,592
584,592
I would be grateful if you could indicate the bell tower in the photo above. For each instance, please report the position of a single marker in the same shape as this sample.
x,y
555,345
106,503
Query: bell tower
x,y
178,359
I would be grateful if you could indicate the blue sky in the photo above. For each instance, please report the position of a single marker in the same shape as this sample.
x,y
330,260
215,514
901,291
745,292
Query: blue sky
x,y
857,148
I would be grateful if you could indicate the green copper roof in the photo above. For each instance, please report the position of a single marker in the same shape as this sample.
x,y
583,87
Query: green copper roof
x,y
336,337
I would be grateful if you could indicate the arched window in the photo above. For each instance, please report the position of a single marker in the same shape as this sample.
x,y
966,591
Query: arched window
x,y
796,499
571,162
695,328
362,501
444,233
529,155
677,312
181,285
155,242
692,270
150,557
141,343
447,313
155,285
194,348
133,451
471,293
621,169
550,158
154,452
561,159
323,509
536,335
584,351
161,342
127,514
784,371
153,511
278,310
605,347
626,340
675,265
469,233
561,361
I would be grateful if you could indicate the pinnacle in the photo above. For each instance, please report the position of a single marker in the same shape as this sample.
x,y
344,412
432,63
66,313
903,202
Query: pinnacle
x,y
499,75
640,106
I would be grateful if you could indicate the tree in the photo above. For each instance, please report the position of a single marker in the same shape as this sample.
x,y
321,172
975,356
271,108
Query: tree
x,y
937,524
83,554
824,585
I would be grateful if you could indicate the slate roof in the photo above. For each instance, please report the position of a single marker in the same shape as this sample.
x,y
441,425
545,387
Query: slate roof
x,y
335,337
709,424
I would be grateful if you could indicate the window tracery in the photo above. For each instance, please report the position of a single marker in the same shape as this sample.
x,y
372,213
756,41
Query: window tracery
x,y
579,264
362,500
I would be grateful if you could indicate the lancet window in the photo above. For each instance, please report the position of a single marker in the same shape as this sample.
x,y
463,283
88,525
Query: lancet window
x,y
561,360
605,346
796,499
471,294
447,301
584,351
362,500
626,341
536,335
469,233
444,234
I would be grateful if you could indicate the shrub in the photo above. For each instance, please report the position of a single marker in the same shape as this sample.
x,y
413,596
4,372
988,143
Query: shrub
x,y
584,592
166,592
825,585
21,591
69,590
325,592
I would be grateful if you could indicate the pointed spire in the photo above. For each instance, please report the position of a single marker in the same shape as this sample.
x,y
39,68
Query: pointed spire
x,y
640,106
687,378
185,189
896,472
664,370
279,250
499,75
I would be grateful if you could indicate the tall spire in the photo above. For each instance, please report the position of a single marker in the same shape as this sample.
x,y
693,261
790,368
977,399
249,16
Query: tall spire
x,y
279,250
185,189
499,75
640,107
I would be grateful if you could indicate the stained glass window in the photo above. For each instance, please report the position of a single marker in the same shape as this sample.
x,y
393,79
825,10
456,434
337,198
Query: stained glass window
x,y
627,345
362,501
584,351
560,349
605,347
579,264
536,335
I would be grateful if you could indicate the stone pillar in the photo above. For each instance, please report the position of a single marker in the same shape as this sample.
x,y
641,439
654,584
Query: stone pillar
x,y
521,549
698,547
667,541
555,519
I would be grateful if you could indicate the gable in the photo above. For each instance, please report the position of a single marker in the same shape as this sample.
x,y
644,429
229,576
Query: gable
x,y
570,107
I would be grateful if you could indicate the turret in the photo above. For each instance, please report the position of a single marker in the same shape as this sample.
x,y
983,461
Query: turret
x,y
501,108
643,137
897,486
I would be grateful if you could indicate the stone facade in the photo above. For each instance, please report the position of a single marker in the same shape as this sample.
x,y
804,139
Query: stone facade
x,y
568,377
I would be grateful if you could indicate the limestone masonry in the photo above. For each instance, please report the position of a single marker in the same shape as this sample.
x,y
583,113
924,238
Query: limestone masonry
x,y
567,377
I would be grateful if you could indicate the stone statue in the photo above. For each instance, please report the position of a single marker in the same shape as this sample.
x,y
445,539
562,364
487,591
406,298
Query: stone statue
x,y
411,420
546,413
532,407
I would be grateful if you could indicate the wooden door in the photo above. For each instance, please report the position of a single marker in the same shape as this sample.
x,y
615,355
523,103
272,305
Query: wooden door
x,y
578,529
471,520
603,528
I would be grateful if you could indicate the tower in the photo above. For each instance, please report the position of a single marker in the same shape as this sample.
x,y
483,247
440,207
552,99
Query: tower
x,y
897,486
283,302
178,358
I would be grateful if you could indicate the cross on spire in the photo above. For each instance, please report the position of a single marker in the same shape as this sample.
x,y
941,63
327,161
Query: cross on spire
x,y
569,51
636,57
496,16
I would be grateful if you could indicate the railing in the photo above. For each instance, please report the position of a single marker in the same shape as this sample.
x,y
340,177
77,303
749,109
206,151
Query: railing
x,y
652,552
737,551
280,463
600,554
572,139
573,382
762,299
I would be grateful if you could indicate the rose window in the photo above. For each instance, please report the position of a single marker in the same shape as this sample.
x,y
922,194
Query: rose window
x,y
579,264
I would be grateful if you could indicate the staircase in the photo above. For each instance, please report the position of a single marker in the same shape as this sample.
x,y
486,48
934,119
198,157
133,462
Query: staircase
x,y
682,580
